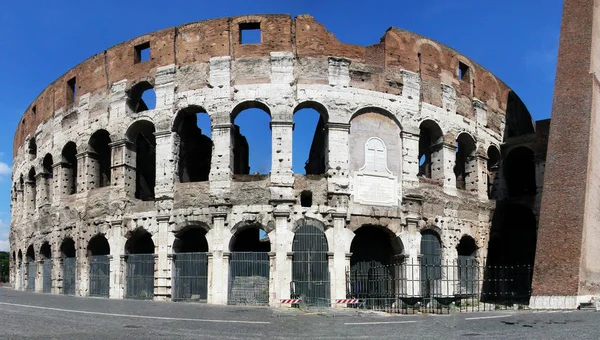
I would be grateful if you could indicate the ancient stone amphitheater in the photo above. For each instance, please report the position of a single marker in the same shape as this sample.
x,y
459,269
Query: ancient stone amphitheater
x,y
416,152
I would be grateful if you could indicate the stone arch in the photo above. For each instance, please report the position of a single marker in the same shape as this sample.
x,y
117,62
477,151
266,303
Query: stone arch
x,y
519,172
100,157
465,166
69,168
32,148
248,238
45,250
431,141
136,95
30,255
241,146
195,147
139,241
493,165
98,246
191,239
20,256
378,110
375,245
32,183
141,134
316,162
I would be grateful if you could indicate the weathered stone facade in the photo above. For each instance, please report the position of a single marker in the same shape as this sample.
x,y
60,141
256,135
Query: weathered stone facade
x,y
377,103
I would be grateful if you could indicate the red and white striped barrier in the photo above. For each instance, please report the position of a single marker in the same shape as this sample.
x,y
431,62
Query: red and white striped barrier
x,y
292,301
343,301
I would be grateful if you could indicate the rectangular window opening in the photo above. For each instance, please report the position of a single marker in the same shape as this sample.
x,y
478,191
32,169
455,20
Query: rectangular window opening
x,y
142,52
34,110
463,70
71,90
250,33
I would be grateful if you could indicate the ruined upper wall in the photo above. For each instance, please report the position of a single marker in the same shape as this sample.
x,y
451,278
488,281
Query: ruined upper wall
x,y
375,67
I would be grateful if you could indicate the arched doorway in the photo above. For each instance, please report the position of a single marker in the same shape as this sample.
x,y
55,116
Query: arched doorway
x,y
195,144
190,265
46,255
31,268
310,264
139,270
141,134
21,283
519,172
100,158
69,266
431,264
249,267
376,273
98,252
468,267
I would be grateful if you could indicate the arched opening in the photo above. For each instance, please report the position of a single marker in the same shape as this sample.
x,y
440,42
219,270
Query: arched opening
x,y
99,157
46,256
249,266
430,151
306,198
493,164
466,163
310,264
48,176
21,284
32,148
251,138
98,251
468,267
519,172
69,169
195,145
375,270
31,268
190,265
139,261
309,138
141,97
69,266
511,251
431,264
141,134
32,185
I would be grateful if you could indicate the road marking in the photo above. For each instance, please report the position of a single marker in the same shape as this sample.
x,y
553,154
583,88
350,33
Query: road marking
x,y
136,316
378,322
489,317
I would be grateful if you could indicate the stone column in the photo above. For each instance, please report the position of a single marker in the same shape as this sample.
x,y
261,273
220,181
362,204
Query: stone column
x,y
282,176
163,287
123,166
39,280
412,262
448,153
410,159
42,189
283,257
339,260
473,178
338,155
166,171
220,262
222,159
117,251
482,177
82,274
30,199
82,173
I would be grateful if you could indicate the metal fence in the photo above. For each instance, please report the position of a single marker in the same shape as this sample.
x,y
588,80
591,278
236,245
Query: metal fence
x,y
461,285
47,276
310,266
139,276
99,275
69,275
190,277
249,278
31,272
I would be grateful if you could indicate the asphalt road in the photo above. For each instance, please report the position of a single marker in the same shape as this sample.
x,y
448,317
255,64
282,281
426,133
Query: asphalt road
x,y
40,316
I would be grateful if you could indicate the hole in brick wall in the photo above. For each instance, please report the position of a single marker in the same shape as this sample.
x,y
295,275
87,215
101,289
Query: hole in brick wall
x,y
251,139
141,97
69,167
463,70
250,33
142,52
430,139
141,134
71,90
195,145
306,198
465,149
34,110
99,145
309,138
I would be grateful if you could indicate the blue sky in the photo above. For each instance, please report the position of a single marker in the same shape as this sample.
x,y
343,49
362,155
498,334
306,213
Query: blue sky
x,y
515,39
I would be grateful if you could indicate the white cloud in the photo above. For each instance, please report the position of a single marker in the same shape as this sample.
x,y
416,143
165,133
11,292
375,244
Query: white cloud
x,y
4,245
5,169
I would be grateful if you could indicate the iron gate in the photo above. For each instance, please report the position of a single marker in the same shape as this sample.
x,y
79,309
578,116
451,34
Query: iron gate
x,y
140,276
47,276
190,277
249,278
31,271
99,275
69,274
431,265
310,266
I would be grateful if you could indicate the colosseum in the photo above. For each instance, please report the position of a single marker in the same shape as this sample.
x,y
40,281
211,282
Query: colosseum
x,y
425,170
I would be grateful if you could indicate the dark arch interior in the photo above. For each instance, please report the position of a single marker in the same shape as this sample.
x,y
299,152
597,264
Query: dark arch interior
x,y
465,148
45,251
30,254
251,138
191,240
195,149
20,256
374,246
32,148
67,248
141,133
430,139
98,246
69,160
493,163
519,172
140,242
47,164
466,246
31,175
100,145
251,239
141,97
513,236
309,138
14,256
